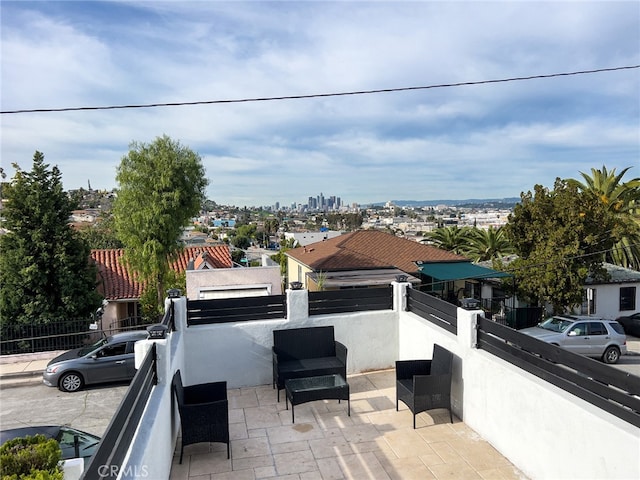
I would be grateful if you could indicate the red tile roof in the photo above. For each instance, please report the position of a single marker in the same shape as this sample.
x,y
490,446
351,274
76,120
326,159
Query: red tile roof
x,y
116,281
369,249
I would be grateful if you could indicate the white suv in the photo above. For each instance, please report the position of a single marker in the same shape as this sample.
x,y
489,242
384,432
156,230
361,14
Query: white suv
x,y
590,336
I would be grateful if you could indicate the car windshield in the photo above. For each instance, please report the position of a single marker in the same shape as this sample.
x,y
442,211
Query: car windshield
x,y
77,444
86,350
555,324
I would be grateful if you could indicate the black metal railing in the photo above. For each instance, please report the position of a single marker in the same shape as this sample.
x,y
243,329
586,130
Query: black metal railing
x,y
46,337
109,456
127,324
613,390
435,310
225,310
169,319
350,300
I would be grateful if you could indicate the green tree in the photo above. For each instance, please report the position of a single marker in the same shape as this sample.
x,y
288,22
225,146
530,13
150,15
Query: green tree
x,y
559,235
101,234
487,244
241,241
623,200
45,273
451,238
161,187
281,257
151,310
237,255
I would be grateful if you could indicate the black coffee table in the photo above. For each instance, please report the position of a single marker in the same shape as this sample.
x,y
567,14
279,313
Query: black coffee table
x,y
309,389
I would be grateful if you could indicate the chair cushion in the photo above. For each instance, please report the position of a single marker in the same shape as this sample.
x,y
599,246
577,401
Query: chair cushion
x,y
311,366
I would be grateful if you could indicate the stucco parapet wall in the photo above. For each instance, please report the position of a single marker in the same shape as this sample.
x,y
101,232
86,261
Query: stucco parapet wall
x,y
297,304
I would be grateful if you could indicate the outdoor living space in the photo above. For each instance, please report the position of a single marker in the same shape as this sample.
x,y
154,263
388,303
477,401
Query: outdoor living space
x,y
375,441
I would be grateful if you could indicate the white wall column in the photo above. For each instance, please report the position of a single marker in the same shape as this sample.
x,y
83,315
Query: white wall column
x,y
297,304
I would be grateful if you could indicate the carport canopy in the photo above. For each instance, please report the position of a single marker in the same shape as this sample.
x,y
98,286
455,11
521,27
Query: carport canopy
x,y
447,271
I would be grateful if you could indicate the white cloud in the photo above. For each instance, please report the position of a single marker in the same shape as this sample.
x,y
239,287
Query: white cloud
x,y
483,140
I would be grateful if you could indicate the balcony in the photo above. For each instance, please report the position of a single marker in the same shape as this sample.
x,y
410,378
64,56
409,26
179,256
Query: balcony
x,y
514,401
374,442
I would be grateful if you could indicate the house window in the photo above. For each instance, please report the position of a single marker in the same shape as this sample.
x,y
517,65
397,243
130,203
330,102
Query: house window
x,y
133,309
299,273
627,298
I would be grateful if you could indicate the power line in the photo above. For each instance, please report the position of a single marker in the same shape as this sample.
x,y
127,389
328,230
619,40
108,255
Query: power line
x,y
317,95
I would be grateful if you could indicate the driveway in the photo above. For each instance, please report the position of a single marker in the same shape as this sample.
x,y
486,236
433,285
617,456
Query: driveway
x,y
90,409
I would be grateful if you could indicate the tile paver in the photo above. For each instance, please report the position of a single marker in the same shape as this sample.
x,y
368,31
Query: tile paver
x,y
376,442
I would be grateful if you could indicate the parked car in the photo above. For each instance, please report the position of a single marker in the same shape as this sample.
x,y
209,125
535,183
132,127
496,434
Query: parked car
x,y
590,336
73,443
631,324
111,359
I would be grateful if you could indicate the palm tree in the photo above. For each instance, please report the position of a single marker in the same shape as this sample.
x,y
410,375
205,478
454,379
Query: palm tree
x,y
452,238
622,200
487,244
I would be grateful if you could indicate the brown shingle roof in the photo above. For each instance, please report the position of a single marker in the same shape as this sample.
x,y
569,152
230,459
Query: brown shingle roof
x,y
116,281
369,249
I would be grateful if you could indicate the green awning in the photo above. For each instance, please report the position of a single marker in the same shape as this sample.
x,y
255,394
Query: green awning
x,y
446,271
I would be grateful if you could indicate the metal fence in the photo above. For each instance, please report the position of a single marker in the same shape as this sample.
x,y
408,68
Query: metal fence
x,y
117,439
225,310
436,310
126,324
60,334
350,300
610,389
45,337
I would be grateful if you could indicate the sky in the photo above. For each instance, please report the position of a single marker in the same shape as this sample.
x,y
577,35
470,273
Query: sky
x,y
492,140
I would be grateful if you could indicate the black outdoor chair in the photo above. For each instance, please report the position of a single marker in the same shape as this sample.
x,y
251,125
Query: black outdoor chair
x,y
204,412
425,384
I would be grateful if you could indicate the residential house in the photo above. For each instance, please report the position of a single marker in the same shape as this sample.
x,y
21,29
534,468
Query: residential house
x,y
616,296
364,258
121,290
303,239
206,282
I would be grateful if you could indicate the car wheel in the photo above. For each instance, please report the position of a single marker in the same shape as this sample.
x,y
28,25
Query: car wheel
x,y
70,382
611,355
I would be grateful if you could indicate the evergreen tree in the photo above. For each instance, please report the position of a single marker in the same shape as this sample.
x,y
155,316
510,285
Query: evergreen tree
x,y
560,236
161,188
45,272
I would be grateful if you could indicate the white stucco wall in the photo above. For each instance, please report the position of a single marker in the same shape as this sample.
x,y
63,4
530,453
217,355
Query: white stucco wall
x,y
608,300
527,419
233,278
240,352
151,452
544,431
531,422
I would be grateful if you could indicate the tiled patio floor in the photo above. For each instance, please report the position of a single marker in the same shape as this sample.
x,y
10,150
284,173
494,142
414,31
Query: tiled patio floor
x,y
375,442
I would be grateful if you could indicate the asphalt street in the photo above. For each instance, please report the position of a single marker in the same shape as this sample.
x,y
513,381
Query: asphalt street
x,y
89,410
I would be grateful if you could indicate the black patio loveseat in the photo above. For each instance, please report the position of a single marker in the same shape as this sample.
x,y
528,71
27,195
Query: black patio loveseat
x,y
306,352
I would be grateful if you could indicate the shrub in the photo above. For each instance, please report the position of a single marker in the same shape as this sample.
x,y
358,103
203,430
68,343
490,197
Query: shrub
x,y
31,458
